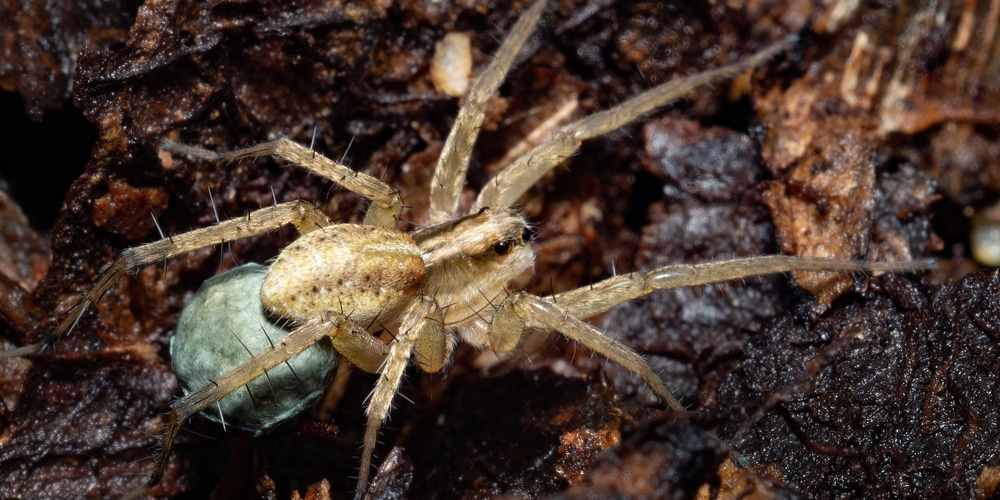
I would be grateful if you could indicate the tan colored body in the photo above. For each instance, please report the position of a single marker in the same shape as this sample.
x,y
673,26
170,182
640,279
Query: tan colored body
x,y
372,275
367,273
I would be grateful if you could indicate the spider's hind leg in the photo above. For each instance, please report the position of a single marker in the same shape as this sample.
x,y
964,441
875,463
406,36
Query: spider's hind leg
x,y
346,336
386,203
303,216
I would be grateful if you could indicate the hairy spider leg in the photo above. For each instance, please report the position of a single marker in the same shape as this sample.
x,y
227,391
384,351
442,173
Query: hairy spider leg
x,y
423,320
587,301
563,312
511,182
303,216
339,329
449,174
386,203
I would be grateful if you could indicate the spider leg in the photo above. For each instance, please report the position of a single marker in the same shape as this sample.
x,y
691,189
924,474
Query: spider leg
x,y
346,335
588,301
449,175
422,320
303,216
386,202
508,185
432,349
563,313
526,310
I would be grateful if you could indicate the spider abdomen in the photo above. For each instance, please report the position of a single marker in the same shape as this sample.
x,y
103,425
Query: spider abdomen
x,y
366,273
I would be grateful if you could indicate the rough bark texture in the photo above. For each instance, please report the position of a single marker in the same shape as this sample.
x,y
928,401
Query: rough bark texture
x,y
857,386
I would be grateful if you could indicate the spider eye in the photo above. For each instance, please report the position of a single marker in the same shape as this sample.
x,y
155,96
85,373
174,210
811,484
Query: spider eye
x,y
526,234
502,248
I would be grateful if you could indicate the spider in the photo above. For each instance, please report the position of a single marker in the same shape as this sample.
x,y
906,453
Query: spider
x,y
444,282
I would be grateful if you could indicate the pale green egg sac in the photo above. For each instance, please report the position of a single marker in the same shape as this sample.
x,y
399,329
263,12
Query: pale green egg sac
x,y
222,324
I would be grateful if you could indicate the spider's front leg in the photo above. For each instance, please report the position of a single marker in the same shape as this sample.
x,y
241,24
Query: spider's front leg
x,y
588,301
564,312
517,177
449,174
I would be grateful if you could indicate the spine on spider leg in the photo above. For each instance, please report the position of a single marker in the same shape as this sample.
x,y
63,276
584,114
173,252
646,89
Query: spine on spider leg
x,y
386,203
